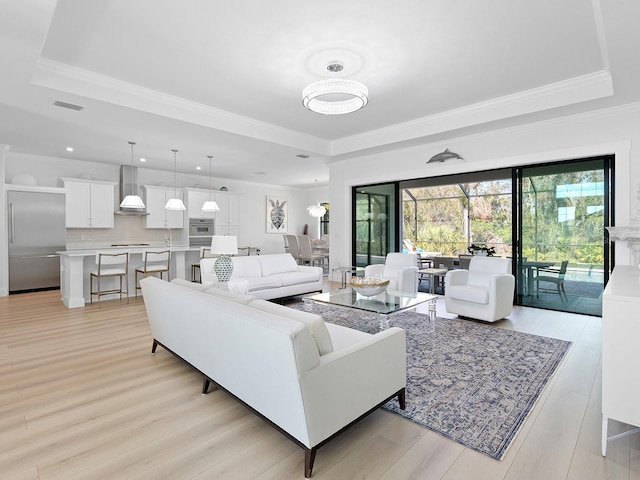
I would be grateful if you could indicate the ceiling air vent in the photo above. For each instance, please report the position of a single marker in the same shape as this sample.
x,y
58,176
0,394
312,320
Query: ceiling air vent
x,y
71,106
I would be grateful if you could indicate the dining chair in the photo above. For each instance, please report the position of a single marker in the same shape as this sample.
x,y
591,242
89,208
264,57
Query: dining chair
x,y
307,255
292,243
156,262
555,276
110,265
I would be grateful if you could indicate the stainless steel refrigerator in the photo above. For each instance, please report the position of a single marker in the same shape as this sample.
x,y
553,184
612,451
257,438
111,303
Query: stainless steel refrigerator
x,y
36,231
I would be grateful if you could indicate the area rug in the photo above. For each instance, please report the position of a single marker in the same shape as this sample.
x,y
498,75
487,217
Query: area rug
x,y
469,382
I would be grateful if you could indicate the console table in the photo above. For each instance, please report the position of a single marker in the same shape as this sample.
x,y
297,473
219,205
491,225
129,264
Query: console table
x,y
620,352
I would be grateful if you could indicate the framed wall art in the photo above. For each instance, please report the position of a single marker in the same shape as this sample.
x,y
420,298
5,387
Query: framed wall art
x,y
277,214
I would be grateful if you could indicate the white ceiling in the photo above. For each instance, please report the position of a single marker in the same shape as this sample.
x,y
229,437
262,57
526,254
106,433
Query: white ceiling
x,y
224,78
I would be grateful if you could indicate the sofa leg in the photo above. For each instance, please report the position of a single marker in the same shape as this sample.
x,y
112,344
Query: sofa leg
x,y
205,385
401,399
155,345
309,458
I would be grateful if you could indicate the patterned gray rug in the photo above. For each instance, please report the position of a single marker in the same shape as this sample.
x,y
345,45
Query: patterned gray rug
x,y
469,382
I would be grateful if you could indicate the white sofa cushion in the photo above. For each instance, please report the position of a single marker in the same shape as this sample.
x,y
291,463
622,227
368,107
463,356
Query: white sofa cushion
x,y
246,266
278,263
287,279
262,283
469,293
234,297
314,322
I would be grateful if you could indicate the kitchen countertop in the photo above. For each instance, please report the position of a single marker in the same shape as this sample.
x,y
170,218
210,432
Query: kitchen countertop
x,y
80,252
75,265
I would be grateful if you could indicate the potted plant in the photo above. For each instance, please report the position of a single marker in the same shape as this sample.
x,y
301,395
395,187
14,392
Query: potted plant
x,y
481,249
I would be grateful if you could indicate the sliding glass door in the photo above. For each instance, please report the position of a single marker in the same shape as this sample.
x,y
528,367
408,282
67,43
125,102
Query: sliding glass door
x,y
562,260
550,219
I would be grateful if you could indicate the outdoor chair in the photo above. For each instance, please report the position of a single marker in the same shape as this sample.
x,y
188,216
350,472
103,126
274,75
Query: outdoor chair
x,y
555,276
464,261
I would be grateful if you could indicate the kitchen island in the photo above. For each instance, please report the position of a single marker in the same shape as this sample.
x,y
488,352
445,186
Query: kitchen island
x,y
75,266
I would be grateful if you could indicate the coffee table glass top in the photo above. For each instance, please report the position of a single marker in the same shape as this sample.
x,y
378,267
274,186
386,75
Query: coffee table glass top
x,y
386,303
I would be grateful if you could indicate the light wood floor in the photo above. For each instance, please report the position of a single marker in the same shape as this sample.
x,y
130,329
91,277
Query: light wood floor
x,y
81,397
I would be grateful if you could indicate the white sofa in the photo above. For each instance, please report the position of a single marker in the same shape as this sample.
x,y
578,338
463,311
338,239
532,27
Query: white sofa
x,y
268,276
484,291
401,269
310,379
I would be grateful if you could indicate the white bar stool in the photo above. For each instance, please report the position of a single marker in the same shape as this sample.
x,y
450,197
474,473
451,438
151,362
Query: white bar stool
x,y
110,265
155,262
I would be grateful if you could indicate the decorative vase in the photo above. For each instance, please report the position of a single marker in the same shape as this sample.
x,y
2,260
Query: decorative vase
x,y
223,268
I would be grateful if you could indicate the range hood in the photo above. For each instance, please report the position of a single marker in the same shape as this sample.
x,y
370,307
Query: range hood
x,y
128,176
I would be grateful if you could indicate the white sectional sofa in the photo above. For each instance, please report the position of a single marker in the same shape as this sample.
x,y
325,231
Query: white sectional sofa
x,y
268,276
310,379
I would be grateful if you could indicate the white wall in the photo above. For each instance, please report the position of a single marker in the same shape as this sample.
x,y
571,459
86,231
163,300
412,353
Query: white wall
x,y
609,131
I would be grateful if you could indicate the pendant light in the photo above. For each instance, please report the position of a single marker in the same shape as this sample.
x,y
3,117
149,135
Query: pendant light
x,y
316,210
174,203
132,201
210,206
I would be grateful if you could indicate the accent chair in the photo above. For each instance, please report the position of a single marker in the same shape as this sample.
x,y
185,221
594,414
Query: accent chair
x,y
484,291
401,269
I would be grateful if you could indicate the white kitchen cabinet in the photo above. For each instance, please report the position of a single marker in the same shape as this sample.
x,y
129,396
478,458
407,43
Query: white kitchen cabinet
x,y
228,218
89,203
155,200
620,352
195,198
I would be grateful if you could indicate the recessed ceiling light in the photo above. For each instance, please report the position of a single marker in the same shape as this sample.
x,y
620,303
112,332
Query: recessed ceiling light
x,y
260,173
69,149
143,159
198,168
303,155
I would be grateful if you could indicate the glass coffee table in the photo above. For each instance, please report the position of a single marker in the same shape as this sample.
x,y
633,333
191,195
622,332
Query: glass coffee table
x,y
386,303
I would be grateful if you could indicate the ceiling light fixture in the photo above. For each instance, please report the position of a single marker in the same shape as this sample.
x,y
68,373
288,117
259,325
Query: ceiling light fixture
x,y
335,96
210,205
316,210
174,203
133,200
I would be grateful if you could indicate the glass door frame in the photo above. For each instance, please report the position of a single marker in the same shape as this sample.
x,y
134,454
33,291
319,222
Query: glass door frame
x,y
395,211
519,174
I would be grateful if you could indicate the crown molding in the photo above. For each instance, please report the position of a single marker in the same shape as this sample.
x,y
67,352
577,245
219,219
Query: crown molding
x,y
427,149
78,81
575,90
52,74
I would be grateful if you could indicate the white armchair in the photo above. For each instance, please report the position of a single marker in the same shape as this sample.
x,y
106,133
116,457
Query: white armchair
x,y
401,269
484,292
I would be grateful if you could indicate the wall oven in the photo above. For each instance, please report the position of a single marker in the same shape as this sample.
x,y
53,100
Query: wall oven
x,y
200,232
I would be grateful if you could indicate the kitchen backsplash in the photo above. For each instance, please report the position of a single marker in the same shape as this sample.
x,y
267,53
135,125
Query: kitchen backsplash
x,y
127,229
